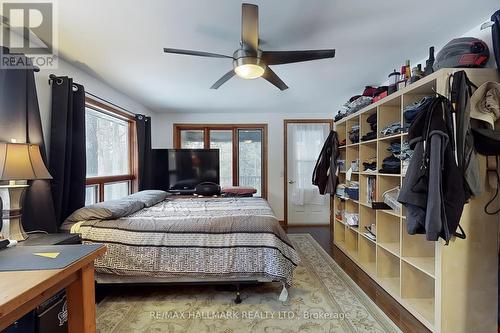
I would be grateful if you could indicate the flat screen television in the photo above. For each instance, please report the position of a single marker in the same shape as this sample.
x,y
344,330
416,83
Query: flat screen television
x,y
190,167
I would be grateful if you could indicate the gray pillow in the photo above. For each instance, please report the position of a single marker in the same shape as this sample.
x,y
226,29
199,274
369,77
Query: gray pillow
x,y
107,210
149,197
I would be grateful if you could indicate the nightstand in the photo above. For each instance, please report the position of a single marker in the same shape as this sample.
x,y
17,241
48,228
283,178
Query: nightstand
x,y
51,315
51,239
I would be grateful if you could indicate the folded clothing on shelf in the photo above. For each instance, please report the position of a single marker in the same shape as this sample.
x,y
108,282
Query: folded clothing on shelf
x,y
391,164
394,147
354,104
369,136
412,110
372,121
392,128
405,153
352,190
351,219
370,164
354,134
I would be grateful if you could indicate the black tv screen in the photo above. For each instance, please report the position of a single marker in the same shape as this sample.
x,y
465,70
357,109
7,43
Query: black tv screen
x,y
190,167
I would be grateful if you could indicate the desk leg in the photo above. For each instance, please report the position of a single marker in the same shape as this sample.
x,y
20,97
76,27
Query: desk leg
x,y
81,302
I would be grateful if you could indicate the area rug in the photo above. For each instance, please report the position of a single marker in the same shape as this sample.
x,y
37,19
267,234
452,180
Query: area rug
x,y
322,299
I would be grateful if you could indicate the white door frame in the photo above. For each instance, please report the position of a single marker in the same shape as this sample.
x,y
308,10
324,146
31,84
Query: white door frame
x,y
285,160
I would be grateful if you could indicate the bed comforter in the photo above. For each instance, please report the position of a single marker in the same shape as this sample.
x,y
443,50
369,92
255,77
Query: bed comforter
x,y
230,238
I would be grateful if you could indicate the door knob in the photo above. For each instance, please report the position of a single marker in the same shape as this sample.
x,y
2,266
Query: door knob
x,y
291,182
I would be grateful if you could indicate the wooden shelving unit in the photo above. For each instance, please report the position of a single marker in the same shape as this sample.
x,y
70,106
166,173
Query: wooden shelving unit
x,y
448,288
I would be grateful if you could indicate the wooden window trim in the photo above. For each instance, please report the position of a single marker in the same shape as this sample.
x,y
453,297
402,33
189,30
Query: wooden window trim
x,y
177,128
132,146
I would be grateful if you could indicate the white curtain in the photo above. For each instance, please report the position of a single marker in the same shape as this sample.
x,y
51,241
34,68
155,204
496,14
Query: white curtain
x,y
306,141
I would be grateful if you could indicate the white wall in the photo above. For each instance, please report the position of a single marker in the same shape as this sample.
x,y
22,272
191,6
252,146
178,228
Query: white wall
x,y
163,138
91,84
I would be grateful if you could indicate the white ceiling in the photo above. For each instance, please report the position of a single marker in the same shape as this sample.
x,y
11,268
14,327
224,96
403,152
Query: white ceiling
x,y
121,41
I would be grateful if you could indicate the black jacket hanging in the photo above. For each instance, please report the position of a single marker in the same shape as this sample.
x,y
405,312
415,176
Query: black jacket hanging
x,y
325,172
433,189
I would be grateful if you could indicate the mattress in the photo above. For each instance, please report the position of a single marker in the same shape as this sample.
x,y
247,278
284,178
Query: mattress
x,y
195,238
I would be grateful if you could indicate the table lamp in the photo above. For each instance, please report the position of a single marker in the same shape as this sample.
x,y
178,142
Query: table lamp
x,y
19,162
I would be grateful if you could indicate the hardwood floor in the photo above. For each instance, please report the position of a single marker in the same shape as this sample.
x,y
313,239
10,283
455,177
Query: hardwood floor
x,y
403,319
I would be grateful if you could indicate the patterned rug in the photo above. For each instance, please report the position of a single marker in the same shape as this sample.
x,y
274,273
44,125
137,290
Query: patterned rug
x,y
322,299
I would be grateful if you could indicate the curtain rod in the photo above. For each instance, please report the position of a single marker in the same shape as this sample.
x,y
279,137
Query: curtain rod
x,y
54,77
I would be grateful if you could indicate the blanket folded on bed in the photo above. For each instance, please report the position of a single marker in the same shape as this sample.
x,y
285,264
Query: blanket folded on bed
x,y
197,237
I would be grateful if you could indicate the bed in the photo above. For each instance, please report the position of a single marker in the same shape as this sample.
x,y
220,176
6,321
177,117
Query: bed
x,y
152,237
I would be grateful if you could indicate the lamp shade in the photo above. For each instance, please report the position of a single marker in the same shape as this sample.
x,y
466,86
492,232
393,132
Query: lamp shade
x,y
21,161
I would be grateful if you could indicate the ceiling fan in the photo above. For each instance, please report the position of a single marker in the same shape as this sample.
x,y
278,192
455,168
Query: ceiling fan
x,y
250,62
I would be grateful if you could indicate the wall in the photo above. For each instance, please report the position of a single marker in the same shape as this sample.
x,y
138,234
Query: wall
x,y
91,84
83,75
163,138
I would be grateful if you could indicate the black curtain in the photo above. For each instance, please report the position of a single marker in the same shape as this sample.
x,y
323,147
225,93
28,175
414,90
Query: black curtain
x,y
67,147
20,120
143,127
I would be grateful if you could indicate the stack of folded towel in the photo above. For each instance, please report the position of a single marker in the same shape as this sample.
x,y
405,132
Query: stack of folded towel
x,y
372,121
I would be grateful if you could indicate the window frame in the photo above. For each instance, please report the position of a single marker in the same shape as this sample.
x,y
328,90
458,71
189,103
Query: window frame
x,y
132,176
177,128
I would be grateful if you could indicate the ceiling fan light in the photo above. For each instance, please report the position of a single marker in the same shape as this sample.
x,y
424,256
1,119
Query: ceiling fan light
x,y
249,71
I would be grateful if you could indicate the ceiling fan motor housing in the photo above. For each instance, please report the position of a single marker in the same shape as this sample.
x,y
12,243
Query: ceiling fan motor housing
x,y
248,63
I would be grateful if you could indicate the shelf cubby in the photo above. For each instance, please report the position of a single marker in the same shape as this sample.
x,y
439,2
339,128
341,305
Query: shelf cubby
x,y
352,154
367,217
341,131
419,252
389,232
339,233
364,125
351,241
368,255
418,291
387,114
382,147
388,271
363,189
386,183
349,124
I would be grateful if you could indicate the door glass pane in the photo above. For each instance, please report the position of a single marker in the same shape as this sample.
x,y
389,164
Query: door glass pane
x,y
192,139
107,140
113,191
223,140
250,159
91,194
304,146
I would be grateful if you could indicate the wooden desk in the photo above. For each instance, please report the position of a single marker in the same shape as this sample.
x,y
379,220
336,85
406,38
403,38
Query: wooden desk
x,y
22,291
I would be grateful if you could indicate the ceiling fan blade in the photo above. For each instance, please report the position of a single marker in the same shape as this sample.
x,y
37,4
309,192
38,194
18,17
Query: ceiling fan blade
x,y
223,79
250,26
287,57
195,53
274,79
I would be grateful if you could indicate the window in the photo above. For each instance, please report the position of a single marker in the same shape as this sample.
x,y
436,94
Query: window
x,y
110,153
243,160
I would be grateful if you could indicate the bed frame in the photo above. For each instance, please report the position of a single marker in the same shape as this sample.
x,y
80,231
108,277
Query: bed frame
x,y
122,280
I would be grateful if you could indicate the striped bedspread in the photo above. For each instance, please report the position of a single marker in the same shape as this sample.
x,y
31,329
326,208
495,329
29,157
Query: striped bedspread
x,y
196,237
